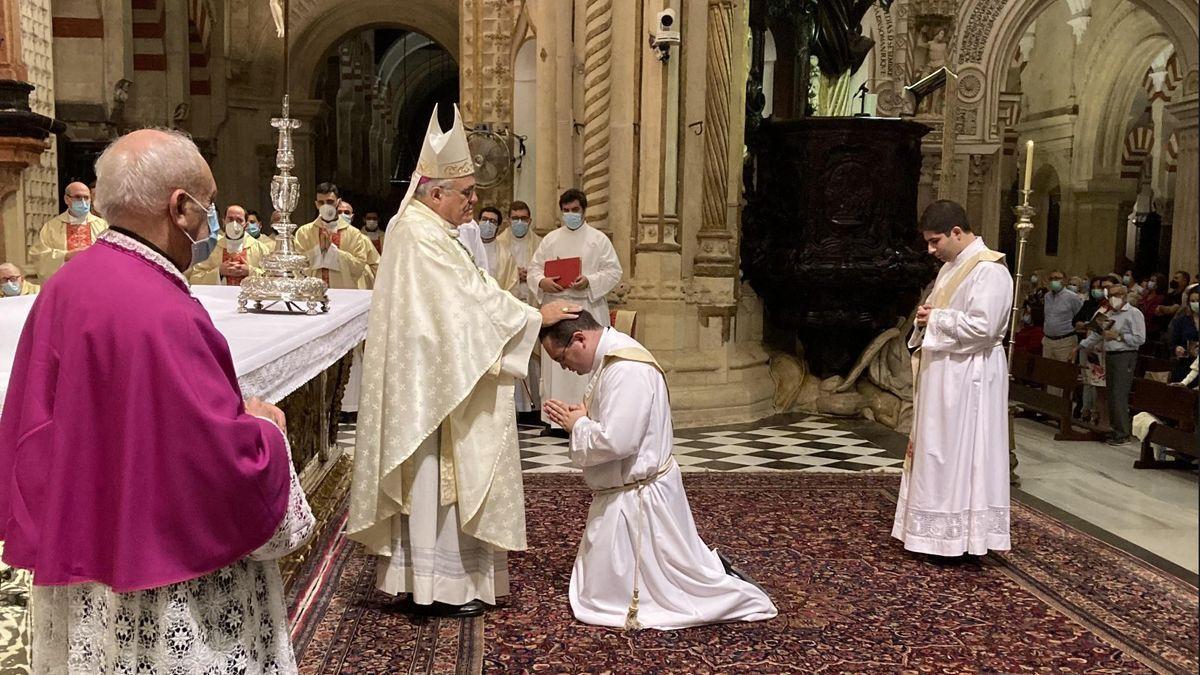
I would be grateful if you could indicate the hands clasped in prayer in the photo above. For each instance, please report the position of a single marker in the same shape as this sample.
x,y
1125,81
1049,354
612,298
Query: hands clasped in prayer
x,y
564,415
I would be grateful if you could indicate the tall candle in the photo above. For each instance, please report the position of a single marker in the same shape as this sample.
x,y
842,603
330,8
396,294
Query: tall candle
x,y
1028,164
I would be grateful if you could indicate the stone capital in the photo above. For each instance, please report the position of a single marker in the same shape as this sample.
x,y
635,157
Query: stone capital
x,y
1185,111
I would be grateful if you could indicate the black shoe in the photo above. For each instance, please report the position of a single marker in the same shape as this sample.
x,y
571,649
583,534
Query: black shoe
x,y
441,609
530,419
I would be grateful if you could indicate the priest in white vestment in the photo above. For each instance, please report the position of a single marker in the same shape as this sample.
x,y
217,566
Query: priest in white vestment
x,y
954,493
600,272
436,491
641,563
499,262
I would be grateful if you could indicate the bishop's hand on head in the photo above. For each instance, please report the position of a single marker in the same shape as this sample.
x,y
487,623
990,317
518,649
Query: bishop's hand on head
x,y
554,312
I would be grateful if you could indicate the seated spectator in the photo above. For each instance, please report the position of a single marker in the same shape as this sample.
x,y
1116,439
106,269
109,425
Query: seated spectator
x,y
1184,333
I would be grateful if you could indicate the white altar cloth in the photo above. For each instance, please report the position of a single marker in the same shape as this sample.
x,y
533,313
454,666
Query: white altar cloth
x,y
273,354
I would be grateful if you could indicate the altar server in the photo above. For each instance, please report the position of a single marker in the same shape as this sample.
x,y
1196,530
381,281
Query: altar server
x,y
147,498
641,563
237,255
68,233
436,492
499,261
341,255
518,241
600,272
954,494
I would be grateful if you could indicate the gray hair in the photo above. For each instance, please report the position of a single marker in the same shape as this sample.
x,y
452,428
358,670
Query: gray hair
x,y
424,188
134,181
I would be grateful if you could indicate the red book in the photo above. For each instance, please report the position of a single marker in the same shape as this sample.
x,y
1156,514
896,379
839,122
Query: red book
x,y
564,271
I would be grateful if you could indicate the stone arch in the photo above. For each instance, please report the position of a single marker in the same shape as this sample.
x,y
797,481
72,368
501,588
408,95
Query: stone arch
x,y
316,32
988,34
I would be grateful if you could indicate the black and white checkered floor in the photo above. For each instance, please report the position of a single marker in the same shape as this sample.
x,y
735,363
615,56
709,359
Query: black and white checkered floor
x,y
793,443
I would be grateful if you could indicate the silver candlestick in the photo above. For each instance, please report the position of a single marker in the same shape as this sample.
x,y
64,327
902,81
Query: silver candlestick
x,y
285,279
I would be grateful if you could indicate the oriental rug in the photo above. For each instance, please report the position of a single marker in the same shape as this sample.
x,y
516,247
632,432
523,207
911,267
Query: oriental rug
x,y
850,598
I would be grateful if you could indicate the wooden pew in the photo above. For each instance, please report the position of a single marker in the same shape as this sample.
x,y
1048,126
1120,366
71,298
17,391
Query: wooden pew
x,y
1032,375
1150,364
1176,406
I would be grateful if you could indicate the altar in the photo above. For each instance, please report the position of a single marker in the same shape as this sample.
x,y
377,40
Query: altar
x,y
299,362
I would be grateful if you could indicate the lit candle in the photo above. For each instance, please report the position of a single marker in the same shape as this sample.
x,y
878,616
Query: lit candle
x,y
1028,164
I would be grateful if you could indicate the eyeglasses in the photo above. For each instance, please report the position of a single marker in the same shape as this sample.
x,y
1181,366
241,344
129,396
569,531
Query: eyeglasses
x,y
468,193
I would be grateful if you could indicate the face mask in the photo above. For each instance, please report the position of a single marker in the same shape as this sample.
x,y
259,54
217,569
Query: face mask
x,y
1033,279
346,217
1152,285
202,249
234,229
1195,306
520,228
487,229
372,225
573,221
1097,293
1116,303
1127,279
80,207
1073,288
13,289
1056,285
253,230
328,212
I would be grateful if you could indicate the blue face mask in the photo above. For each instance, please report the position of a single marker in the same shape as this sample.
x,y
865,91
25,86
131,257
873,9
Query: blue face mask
x,y
11,289
487,229
573,221
1097,293
1056,285
202,249
80,207
253,230
520,228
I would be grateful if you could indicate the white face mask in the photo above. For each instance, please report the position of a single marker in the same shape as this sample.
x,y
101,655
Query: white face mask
x,y
371,224
328,212
234,229
1116,303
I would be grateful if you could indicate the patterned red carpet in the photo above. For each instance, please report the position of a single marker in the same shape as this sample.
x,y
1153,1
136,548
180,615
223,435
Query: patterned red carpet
x,y
850,599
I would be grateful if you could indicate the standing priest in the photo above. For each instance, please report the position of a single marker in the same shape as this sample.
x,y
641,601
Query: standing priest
x,y
437,491
954,492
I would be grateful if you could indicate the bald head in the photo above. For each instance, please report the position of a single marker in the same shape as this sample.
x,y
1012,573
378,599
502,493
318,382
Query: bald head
x,y
76,190
9,271
155,183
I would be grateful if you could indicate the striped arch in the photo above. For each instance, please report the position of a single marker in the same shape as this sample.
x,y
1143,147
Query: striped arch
x,y
199,30
1138,143
149,26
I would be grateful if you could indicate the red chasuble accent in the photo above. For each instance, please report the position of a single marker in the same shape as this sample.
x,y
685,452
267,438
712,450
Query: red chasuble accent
x,y
336,238
239,257
126,454
78,236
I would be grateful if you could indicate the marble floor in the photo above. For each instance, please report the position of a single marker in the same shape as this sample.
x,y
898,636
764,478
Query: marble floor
x,y
1156,510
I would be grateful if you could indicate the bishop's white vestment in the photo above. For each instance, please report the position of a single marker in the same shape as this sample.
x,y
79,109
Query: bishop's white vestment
x,y
625,439
599,263
436,492
954,494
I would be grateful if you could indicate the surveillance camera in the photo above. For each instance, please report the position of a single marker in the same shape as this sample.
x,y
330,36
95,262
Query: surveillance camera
x,y
668,28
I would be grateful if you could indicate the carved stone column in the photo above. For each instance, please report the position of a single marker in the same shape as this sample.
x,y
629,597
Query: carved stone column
x,y
715,257
1185,223
597,100
486,83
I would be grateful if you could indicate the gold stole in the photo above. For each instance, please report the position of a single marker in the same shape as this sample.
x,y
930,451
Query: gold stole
x,y
940,298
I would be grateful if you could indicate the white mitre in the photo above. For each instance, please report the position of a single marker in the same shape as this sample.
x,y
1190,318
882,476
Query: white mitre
x,y
444,154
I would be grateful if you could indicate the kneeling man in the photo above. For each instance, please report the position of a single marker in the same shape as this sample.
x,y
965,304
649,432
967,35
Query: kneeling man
x,y
641,562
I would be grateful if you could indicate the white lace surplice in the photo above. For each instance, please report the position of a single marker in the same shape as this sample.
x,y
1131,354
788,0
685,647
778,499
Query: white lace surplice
x,y
228,621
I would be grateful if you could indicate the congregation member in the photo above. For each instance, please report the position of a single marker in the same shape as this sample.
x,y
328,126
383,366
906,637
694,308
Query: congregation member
x,y
436,493
1060,305
1091,364
641,562
236,256
373,231
1151,304
67,234
1183,334
149,501
1119,344
600,272
340,255
13,283
954,490
499,261
519,242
